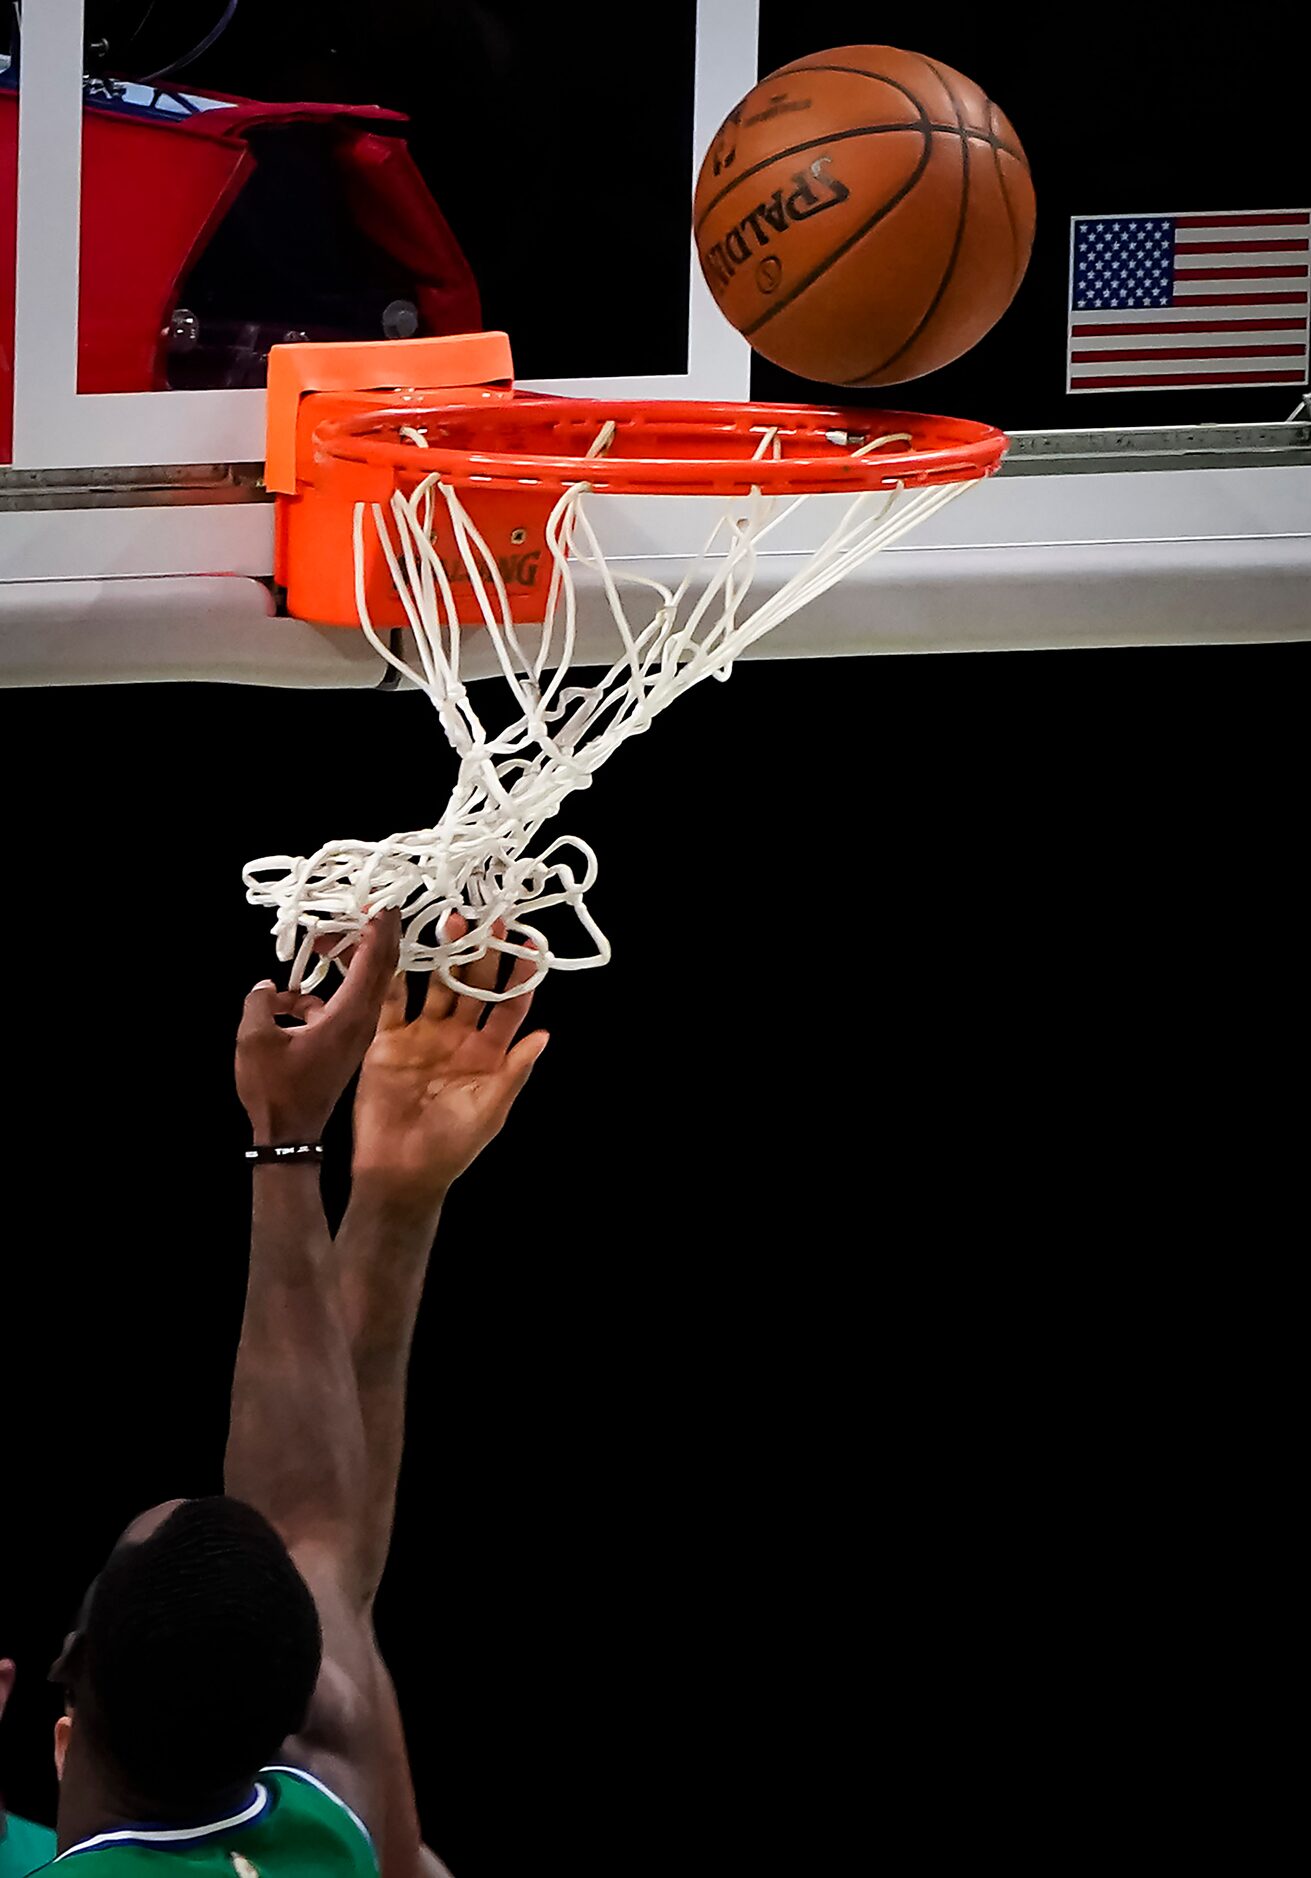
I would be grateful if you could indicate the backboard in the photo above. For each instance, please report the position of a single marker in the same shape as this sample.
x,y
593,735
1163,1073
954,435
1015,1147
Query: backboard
x,y
168,229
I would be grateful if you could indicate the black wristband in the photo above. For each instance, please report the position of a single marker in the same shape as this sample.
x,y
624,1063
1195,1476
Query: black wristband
x,y
291,1156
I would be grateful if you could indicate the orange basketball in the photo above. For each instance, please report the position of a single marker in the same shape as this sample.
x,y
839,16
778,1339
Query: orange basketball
x,y
864,216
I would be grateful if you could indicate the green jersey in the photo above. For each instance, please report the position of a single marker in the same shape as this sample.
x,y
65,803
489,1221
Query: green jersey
x,y
24,1847
294,1827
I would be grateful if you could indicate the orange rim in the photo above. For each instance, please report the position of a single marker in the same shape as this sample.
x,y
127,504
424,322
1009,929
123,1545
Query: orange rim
x,y
665,447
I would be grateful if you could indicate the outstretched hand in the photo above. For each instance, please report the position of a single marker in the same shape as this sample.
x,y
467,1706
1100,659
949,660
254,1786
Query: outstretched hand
x,y
435,1091
291,1079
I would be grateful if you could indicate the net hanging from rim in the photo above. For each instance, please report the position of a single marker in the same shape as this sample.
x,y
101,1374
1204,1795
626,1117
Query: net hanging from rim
x,y
486,855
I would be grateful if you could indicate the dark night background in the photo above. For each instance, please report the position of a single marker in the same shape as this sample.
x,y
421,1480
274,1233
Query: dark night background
x,y
816,1381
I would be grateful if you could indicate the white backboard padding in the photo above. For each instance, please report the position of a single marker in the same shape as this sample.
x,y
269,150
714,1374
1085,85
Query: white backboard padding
x,y
221,628
1014,599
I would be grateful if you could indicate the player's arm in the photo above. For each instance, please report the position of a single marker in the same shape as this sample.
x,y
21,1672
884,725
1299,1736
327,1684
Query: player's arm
x,y
432,1094
296,1447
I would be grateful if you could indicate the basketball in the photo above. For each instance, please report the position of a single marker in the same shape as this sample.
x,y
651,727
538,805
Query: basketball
x,y
864,216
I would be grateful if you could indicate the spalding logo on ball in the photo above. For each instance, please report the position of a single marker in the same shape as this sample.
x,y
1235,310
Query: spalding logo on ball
x,y
864,216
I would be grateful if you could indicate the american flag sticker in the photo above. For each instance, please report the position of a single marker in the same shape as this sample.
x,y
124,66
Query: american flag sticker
x,y
1165,301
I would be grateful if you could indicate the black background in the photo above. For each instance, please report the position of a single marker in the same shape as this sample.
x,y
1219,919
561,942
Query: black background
x,y
811,1378
818,1380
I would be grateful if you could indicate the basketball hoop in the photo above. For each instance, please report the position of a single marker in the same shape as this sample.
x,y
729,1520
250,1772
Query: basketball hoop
x,y
448,499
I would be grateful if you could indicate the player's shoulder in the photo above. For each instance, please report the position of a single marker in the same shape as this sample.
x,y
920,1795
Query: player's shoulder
x,y
308,1807
294,1827
24,1847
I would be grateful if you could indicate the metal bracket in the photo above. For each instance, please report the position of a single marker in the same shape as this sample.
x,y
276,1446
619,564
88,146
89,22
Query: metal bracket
x,y
1163,447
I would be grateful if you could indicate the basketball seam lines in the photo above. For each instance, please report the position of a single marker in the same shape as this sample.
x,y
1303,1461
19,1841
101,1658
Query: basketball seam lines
x,y
800,149
866,228
922,121
957,129
844,136
816,273
1023,253
810,143
1016,264
952,258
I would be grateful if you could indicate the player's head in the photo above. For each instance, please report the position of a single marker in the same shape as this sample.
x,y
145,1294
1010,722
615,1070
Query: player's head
x,y
195,1655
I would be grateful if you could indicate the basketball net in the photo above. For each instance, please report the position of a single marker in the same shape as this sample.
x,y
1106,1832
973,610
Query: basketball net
x,y
483,857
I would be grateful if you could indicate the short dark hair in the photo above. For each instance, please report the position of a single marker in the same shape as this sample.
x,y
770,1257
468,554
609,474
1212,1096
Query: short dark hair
x,y
200,1654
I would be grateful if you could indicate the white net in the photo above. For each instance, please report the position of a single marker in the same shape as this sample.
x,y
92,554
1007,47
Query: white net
x,y
484,856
